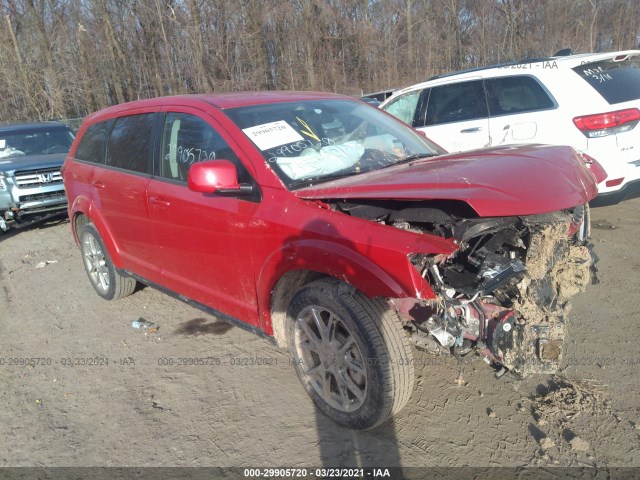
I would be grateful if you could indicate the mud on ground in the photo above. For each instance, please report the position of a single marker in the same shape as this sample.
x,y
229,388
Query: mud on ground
x,y
201,393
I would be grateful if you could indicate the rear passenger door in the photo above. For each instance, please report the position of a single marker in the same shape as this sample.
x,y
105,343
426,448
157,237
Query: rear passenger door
x,y
203,241
120,190
521,111
456,116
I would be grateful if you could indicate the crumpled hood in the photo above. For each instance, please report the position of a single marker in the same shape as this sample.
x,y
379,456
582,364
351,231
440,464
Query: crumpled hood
x,y
503,181
33,162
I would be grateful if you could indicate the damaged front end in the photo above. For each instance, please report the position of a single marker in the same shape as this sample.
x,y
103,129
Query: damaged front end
x,y
504,294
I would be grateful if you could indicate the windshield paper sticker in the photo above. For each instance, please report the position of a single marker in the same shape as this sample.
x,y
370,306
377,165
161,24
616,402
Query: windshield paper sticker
x,y
272,134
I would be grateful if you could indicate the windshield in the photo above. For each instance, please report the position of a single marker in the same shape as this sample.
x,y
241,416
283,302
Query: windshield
x,y
313,141
35,142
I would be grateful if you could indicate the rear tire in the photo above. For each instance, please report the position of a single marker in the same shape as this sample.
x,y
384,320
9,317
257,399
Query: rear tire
x,y
350,353
105,279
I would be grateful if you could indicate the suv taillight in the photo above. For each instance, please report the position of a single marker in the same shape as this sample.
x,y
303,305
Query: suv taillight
x,y
610,123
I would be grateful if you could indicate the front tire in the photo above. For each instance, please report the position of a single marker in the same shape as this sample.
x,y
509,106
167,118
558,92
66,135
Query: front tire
x,y
350,353
105,279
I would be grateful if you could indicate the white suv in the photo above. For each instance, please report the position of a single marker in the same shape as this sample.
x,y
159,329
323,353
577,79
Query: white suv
x,y
588,101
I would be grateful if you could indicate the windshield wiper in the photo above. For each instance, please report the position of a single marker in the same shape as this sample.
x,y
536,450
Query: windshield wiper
x,y
350,173
414,156
408,158
336,176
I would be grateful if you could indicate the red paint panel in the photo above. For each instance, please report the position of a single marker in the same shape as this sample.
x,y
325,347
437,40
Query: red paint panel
x,y
505,181
229,252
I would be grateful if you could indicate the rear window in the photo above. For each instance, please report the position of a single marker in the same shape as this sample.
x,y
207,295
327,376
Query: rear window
x,y
92,145
617,82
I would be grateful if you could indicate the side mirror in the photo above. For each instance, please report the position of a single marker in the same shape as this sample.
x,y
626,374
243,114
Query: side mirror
x,y
216,176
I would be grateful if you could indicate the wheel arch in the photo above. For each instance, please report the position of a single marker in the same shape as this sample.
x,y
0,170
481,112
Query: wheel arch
x,y
296,265
83,212
281,295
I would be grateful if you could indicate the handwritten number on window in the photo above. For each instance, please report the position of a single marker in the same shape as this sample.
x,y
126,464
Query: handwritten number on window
x,y
189,156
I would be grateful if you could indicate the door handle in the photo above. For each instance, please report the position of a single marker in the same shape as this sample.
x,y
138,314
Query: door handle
x,y
98,184
471,130
161,202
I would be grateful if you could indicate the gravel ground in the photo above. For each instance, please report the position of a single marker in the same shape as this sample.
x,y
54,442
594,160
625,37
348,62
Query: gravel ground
x,y
199,392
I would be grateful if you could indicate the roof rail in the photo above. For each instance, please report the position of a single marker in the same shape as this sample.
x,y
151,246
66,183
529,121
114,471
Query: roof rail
x,y
562,53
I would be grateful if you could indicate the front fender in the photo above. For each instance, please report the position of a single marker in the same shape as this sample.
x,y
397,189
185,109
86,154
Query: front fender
x,y
342,262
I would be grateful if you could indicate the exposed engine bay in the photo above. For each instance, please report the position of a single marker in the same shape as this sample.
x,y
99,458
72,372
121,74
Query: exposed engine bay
x,y
504,294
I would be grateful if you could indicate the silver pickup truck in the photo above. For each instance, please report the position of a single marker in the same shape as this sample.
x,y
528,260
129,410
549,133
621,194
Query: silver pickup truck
x,y
31,187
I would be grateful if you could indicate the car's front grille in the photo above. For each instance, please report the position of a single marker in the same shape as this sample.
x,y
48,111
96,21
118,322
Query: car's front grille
x,y
39,197
36,178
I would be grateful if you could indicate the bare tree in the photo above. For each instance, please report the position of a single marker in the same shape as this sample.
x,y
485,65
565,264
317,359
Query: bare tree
x,y
64,58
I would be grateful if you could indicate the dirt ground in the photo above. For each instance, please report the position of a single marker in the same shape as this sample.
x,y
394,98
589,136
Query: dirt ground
x,y
102,393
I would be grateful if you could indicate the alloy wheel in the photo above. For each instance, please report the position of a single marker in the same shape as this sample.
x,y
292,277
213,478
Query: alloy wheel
x,y
330,358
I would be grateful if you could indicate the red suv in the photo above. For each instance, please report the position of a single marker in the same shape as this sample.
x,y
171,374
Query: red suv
x,y
337,231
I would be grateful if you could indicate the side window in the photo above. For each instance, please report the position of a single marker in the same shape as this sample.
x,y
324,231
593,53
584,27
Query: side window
x,y
92,145
188,139
129,145
404,107
509,95
456,103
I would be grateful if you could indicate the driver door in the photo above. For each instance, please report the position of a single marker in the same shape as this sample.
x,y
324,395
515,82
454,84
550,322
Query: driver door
x,y
204,242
